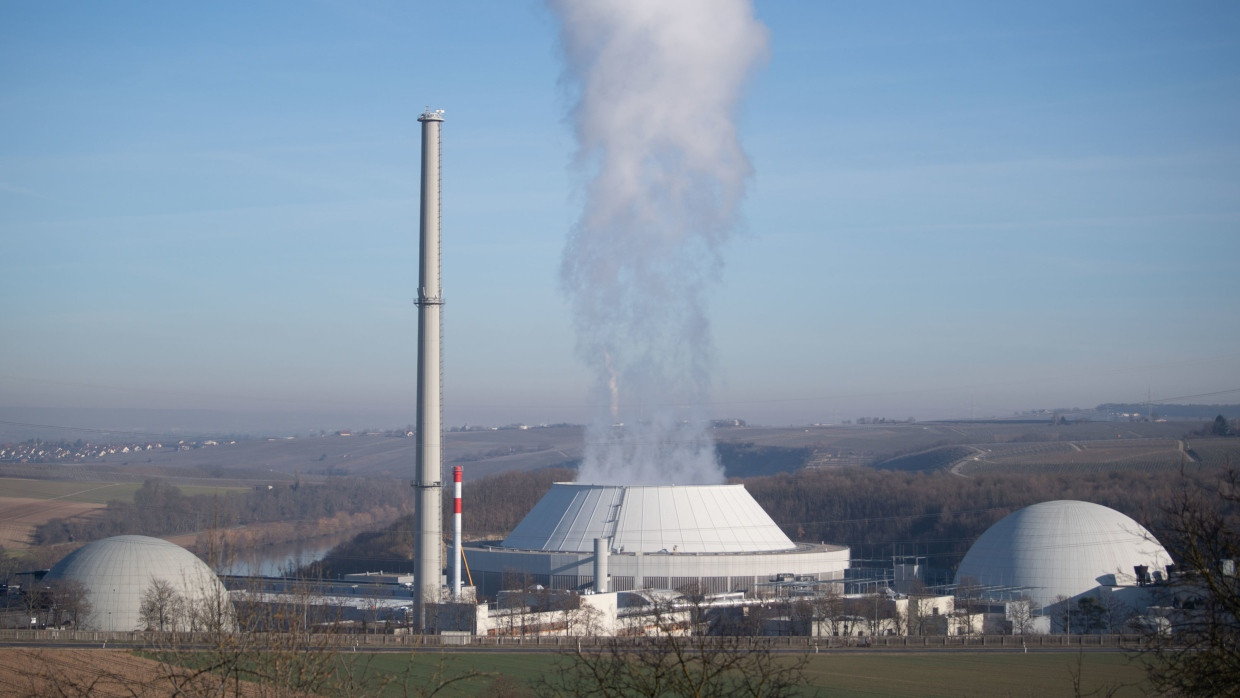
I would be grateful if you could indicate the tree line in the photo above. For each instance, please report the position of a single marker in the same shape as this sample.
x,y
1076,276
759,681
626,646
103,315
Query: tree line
x,y
939,515
877,513
494,506
161,508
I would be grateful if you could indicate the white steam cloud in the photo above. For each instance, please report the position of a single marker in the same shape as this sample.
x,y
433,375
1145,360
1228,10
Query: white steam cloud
x,y
656,83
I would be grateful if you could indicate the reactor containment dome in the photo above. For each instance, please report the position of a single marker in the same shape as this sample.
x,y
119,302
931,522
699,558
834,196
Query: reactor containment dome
x,y
715,537
1061,549
117,572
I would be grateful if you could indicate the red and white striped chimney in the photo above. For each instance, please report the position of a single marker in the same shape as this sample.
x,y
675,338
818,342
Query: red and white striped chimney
x,y
456,532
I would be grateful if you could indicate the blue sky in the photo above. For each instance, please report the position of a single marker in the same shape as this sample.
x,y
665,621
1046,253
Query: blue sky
x,y
957,208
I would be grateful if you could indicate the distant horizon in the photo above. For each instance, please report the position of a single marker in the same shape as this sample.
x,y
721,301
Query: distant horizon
x,y
191,422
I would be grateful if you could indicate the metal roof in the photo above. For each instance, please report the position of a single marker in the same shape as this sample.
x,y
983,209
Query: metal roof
x,y
648,519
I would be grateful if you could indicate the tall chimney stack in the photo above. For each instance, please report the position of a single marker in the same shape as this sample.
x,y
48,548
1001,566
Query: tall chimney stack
x,y
429,536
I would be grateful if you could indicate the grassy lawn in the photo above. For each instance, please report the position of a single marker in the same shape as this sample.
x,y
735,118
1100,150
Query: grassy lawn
x,y
852,674
427,669
975,674
90,492
191,490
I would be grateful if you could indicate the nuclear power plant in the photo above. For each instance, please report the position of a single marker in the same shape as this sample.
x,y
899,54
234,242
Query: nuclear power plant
x,y
604,538
605,545
580,536
715,539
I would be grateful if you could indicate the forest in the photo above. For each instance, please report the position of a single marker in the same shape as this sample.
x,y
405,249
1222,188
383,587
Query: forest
x,y
159,508
938,515
878,513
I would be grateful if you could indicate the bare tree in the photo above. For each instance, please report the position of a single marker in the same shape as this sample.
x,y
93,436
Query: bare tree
x,y
66,601
162,608
968,603
588,621
517,601
1020,614
1115,614
263,647
1197,653
877,612
829,610
923,617
801,617
35,600
1087,615
9,565
915,615
670,660
754,620
575,616
293,645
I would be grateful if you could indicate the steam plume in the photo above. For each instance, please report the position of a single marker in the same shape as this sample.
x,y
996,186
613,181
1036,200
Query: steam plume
x,y
656,84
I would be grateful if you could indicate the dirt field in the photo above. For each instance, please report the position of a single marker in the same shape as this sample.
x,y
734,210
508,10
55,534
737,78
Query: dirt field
x,y
72,490
26,503
77,673
27,673
20,515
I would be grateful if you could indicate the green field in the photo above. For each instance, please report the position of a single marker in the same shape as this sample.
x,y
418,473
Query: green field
x,y
837,674
975,674
90,492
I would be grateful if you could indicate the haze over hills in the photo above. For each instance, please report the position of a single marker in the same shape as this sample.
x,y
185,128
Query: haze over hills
x,y
104,424
744,451
72,423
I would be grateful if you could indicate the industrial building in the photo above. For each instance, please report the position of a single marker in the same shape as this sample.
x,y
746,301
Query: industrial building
x,y
608,538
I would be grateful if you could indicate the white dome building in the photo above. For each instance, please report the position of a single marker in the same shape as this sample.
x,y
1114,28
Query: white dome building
x,y
1059,549
641,537
119,571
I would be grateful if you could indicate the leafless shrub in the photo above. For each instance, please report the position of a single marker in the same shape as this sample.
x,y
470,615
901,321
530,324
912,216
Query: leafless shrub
x,y
658,654
1194,649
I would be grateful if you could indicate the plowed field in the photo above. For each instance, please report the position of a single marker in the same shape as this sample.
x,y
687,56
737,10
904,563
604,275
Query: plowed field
x,y
20,515
95,673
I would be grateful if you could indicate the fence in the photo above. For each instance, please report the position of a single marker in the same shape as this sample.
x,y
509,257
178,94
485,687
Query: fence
x,y
785,643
